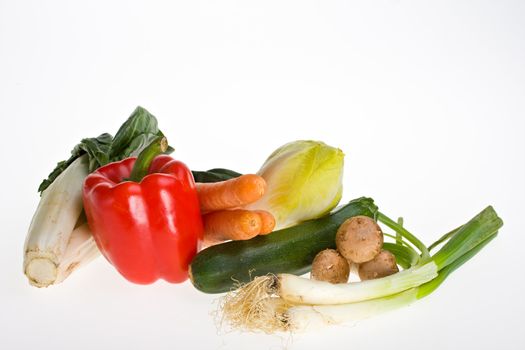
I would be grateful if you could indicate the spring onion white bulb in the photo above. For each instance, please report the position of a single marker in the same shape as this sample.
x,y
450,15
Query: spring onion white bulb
x,y
302,290
310,317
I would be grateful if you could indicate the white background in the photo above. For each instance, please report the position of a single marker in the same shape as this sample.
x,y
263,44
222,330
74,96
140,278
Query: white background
x,y
425,98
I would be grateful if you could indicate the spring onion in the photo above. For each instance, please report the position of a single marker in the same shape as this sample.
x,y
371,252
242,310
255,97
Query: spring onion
x,y
285,302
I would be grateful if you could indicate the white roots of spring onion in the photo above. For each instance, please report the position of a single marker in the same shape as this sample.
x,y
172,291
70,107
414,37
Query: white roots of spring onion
x,y
290,303
257,306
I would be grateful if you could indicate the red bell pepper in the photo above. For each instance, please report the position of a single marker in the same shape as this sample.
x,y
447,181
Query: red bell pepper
x,y
145,217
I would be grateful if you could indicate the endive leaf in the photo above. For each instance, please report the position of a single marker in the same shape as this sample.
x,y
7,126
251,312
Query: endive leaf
x,y
304,181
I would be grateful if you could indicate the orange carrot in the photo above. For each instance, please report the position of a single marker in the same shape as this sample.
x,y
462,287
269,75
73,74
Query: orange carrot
x,y
238,224
231,193
267,220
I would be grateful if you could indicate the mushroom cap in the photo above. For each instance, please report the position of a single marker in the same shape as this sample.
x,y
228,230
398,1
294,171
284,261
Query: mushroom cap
x,y
359,239
330,266
384,264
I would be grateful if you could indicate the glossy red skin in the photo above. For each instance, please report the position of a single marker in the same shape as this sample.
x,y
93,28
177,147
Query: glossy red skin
x,y
147,230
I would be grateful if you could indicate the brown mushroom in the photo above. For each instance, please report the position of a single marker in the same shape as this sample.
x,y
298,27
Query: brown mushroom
x,y
359,239
384,264
330,266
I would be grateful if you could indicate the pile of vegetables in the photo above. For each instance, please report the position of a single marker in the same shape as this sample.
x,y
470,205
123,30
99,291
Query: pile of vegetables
x,y
151,216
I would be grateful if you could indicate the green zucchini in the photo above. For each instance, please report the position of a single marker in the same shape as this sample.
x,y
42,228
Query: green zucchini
x,y
291,250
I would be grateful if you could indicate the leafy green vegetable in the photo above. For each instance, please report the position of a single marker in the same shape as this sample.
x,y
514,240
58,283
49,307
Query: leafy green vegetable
x,y
97,149
137,132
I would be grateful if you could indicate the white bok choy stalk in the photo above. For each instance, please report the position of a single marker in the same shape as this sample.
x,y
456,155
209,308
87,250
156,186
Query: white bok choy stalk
x,y
286,302
59,241
52,235
80,250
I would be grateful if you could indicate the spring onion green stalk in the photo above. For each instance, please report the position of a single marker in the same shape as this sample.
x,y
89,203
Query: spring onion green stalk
x,y
304,181
295,303
59,241
404,233
443,238
399,238
405,256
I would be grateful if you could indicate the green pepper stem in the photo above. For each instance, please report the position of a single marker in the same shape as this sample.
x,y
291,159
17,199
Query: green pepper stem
x,y
143,162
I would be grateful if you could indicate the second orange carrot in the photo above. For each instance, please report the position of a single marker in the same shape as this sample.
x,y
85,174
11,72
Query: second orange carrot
x,y
235,224
267,222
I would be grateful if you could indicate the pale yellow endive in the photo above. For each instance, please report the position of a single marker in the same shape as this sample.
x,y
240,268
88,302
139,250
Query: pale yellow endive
x,y
304,181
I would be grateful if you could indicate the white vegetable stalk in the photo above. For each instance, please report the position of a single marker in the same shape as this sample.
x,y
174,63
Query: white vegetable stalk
x,y
300,290
272,303
309,317
54,247
250,308
258,312
81,250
